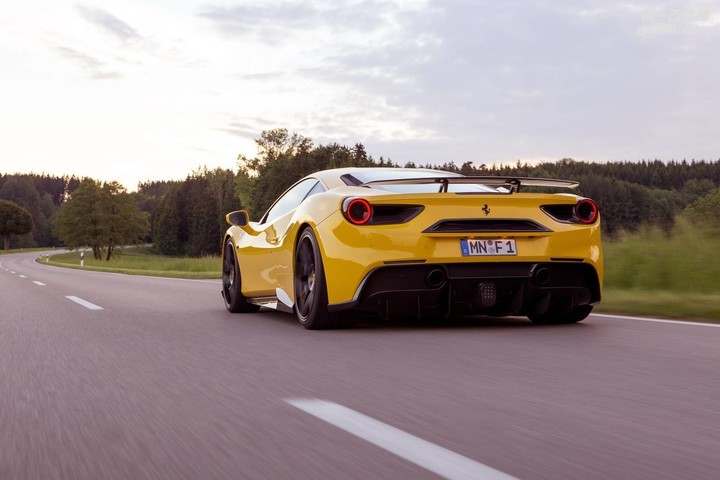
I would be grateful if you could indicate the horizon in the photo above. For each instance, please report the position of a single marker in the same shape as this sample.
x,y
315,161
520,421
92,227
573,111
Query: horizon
x,y
235,169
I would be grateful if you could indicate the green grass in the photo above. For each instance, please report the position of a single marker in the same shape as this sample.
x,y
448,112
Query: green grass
x,y
662,304
673,275
144,261
685,261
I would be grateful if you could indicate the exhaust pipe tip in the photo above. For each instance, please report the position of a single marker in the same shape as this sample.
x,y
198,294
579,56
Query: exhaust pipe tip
x,y
542,276
435,278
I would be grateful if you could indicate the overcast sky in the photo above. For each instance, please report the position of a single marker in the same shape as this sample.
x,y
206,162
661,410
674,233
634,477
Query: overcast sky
x,y
147,90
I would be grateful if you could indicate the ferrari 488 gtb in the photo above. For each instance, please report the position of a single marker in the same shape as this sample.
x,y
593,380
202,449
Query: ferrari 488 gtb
x,y
401,242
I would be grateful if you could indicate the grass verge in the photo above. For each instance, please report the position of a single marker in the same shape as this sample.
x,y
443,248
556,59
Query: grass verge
x,y
669,274
662,304
143,261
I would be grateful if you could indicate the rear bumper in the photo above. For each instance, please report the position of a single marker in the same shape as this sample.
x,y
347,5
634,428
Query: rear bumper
x,y
502,288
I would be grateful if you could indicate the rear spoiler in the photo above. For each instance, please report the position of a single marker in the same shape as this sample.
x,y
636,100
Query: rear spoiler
x,y
511,183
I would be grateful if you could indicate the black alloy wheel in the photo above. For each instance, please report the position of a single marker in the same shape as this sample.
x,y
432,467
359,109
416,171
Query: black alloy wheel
x,y
311,298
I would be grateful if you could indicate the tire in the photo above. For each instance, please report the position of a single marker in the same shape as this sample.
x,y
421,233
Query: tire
x,y
311,299
235,301
575,315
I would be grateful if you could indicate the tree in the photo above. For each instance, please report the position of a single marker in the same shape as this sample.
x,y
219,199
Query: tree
x,y
80,223
101,217
14,220
167,225
125,222
285,158
204,233
20,190
41,196
705,211
695,188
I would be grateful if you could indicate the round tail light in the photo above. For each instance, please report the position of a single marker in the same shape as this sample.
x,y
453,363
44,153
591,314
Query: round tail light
x,y
586,211
358,211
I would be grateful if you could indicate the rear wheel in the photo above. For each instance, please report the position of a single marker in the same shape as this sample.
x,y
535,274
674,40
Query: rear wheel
x,y
554,317
311,299
235,301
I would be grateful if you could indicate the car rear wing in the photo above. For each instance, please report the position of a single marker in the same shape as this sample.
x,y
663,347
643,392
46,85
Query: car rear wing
x,y
512,184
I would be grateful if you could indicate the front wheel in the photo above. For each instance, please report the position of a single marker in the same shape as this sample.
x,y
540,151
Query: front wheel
x,y
575,315
235,301
311,297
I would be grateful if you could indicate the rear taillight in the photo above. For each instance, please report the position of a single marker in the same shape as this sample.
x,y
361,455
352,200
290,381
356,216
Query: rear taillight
x,y
358,211
586,211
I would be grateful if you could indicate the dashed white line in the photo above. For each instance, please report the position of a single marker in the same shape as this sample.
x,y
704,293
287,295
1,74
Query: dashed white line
x,y
84,303
439,460
38,283
12,272
656,320
22,276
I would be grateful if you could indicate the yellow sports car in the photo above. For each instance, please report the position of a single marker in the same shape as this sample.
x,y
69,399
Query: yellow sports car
x,y
416,242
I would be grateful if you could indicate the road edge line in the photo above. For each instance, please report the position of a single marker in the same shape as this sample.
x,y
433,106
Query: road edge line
x,y
656,320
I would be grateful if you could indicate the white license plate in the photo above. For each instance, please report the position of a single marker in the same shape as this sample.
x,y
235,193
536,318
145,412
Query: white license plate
x,y
487,247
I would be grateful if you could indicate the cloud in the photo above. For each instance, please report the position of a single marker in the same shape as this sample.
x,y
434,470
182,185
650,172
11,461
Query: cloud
x,y
86,61
308,46
108,22
248,128
93,67
516,79
241,130
278,22
263,76
115,45
481,81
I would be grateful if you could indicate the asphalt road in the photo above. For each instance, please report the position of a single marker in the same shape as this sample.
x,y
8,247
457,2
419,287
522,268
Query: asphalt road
x,y
160,382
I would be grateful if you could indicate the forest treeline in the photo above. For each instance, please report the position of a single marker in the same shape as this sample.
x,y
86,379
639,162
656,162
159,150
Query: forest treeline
x,y
41,196
188,217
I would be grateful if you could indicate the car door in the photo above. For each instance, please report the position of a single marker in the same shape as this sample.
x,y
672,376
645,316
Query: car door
x,y
265,255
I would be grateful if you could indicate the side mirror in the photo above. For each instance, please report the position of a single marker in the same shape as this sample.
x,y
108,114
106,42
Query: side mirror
x,y
238,218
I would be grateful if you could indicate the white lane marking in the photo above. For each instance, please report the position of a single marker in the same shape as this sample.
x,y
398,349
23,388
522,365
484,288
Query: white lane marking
x,y
12,272
439,460
22,276
84,303
656,320
38,283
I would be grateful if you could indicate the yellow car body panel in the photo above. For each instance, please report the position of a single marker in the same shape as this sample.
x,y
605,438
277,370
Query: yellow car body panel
x,y
351,253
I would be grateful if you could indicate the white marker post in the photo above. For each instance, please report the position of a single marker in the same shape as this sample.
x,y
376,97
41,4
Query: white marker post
x,y
82,259
47,258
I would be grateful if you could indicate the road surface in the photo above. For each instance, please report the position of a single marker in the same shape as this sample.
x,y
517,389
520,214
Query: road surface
x,y
106,376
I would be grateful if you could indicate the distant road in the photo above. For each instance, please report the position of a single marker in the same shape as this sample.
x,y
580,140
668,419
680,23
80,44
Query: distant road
x,y
106,376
